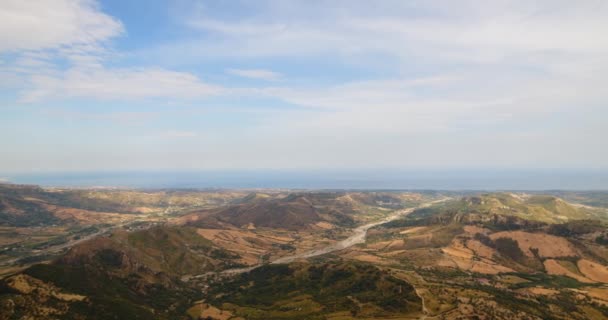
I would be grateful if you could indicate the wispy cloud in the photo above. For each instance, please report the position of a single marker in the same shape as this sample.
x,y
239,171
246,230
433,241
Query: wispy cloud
x,y
37,25
469,30
112,83
255,74
479,60
116,117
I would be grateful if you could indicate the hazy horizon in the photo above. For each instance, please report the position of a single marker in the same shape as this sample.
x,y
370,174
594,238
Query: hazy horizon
x,y
395,179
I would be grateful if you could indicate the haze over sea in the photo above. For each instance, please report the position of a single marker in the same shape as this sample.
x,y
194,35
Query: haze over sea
x,y
455,179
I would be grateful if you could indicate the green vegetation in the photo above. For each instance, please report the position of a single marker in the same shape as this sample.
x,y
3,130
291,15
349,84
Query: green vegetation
x,y
178,250
308,291
134,276
509,249
576,228
589,198
444,235
602,239
547,281
112,297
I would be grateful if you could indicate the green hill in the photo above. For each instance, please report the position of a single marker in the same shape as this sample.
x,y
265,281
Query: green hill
x,y
317,291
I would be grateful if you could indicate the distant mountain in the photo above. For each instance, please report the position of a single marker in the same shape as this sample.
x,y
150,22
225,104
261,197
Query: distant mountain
x,y
297,210
24,205
542,208
30,205
254,196
289,213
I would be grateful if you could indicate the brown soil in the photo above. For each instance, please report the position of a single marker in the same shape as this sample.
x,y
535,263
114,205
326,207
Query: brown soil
x,y
593,270
600,294
480,249
472,230
542,291
548,246
325,225
465,258
553,267
412,230
246,243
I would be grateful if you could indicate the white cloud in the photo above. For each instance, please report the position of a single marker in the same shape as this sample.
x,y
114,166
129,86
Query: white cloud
x,y
481,62
432,33
468,30
255,74
129,83
48,24
43,35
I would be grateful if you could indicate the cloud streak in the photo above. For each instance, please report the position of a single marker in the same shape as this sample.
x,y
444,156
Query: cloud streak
x,y
118,84
261,74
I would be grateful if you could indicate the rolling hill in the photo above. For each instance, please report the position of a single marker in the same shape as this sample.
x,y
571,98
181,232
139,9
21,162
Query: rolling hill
x,y
499,256
30,205
484,256
542,208
298,211
125,275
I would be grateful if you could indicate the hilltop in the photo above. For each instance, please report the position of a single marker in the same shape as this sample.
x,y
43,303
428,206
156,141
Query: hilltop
x,y
541,208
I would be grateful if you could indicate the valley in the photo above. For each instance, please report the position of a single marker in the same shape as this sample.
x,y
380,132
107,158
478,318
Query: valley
x,y
300,254
303,160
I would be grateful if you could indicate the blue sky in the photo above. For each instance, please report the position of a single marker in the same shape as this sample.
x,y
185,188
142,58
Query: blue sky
x,y
122,85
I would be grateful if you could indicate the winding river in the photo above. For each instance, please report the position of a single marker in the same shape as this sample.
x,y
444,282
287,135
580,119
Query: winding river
x,y
357,237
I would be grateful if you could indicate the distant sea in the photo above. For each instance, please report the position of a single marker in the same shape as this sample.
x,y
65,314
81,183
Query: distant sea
x,y
328,179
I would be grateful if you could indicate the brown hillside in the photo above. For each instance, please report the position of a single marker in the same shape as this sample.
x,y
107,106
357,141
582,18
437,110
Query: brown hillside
x,y
290,215
294,212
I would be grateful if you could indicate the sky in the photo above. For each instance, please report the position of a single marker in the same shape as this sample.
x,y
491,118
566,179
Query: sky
x,y
205,85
